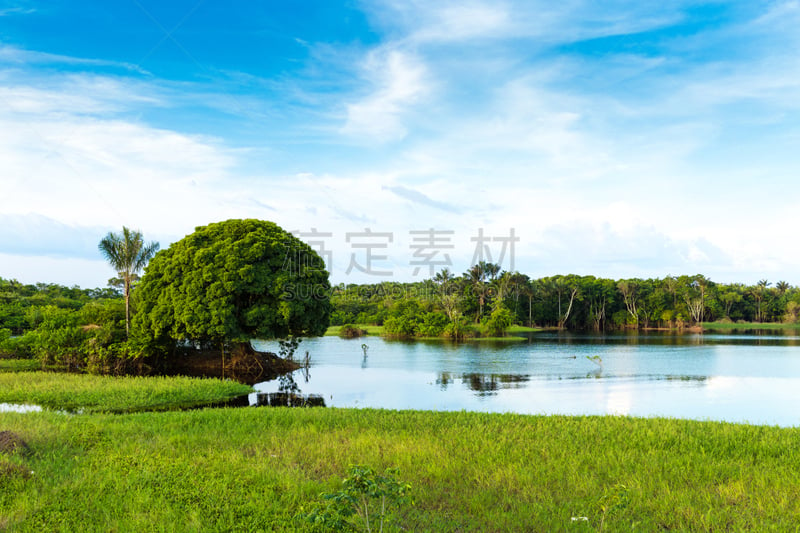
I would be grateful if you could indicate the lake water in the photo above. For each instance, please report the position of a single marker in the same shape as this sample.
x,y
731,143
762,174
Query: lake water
x,y
752,378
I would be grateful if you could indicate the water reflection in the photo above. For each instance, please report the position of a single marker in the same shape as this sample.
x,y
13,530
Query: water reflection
x,y
288,391
484,384
19,408
709,376
288,399
751,337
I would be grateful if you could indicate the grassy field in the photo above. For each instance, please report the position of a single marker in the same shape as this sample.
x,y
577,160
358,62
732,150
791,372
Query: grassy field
x,y
90,393
255,469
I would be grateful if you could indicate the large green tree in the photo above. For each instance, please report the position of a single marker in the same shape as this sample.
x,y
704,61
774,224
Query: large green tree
x,y
230,282
128,254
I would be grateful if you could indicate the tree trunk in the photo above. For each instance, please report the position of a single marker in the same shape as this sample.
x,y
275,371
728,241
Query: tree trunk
x,y
562,321
127,308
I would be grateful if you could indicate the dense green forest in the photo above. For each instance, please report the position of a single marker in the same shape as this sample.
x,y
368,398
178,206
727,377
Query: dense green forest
x,y
41,320
488,296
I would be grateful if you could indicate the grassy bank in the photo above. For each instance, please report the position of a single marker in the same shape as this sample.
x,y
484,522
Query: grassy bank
x,y
19,365
749,325
90,393
253,469
376,331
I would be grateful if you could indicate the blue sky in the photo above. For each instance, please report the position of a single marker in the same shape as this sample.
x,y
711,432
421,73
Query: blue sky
x,y
618,139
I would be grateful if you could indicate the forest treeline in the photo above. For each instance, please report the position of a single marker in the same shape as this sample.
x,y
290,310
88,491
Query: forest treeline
x,y
486,295
484,300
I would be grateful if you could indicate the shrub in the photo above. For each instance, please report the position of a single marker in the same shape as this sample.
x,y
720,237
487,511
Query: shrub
x,y
433,324
350,331
498,322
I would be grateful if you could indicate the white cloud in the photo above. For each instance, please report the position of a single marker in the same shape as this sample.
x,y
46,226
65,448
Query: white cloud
x,y
398,81
465,20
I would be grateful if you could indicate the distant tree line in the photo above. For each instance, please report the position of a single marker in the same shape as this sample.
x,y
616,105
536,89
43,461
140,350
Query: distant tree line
x,y
485,295
86,328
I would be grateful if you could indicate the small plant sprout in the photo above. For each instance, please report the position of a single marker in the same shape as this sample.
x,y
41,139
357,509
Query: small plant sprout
x,y
614,499
362,504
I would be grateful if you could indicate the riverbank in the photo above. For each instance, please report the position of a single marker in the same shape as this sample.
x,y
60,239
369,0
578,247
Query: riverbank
x,y
255,469
727,326
377,331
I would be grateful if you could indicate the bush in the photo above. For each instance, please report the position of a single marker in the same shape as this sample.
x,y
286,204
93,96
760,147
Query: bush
x,y
91,339
433,324
350,331
621,318
498,322
456,329
400,326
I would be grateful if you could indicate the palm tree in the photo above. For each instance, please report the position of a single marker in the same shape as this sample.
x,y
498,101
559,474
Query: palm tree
x,y
443,279
477,277
127,254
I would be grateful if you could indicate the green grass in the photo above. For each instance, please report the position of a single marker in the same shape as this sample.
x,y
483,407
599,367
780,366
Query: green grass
x,y
749,325
19,365
89,393
253,469
522,329
508,338
376,331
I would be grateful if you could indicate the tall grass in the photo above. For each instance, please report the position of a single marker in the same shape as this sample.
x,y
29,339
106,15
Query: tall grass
x,y
91,393
19,365
254,469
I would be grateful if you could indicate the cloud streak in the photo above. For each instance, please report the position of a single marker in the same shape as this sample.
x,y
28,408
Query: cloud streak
x,y
421,199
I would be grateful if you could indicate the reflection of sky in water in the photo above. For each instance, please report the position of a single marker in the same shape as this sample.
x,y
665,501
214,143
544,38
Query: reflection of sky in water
x,y
18,408
701,377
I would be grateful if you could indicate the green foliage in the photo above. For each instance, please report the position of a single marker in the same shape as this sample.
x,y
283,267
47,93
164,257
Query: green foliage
x,y
231,282
433,324
456,329
19,304
363,503
404,319
92,338
498,322
571,301
58,338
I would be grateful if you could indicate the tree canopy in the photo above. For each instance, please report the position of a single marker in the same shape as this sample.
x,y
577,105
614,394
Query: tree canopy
x,y
230,282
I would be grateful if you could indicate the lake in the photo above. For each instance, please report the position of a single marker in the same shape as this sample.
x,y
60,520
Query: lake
x,y
749,378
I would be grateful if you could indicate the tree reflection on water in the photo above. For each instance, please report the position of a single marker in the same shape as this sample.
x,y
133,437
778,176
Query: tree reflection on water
x,y
484,384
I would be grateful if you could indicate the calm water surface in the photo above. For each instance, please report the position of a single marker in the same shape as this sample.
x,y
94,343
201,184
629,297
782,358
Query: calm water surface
x,y
738,378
